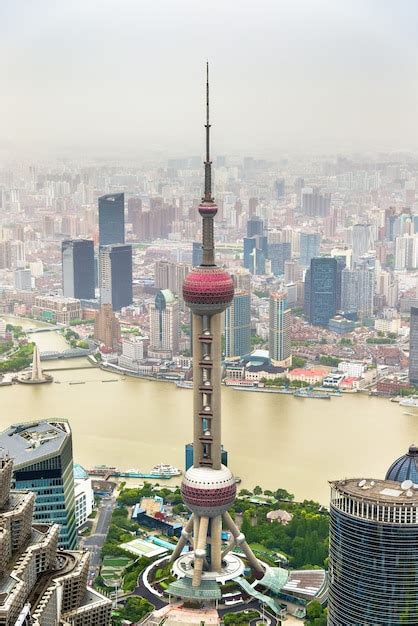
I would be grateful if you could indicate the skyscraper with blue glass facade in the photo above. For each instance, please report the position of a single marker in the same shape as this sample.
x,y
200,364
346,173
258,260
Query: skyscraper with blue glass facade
x,y
373,555
42,456
112,219
322,289
309,247
238,325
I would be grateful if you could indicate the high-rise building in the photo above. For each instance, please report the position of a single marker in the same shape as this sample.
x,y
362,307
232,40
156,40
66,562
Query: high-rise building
x,y
41,586
78,279
112,219
115,266
279,328
42,454
107,328
5,255
314,203
238,325
255,252
279,188
309,247
197,253
169,275
23,280
208,487
323,286
413,346
164,325
363,240
357,291
255,226
278,254
373,557
252,206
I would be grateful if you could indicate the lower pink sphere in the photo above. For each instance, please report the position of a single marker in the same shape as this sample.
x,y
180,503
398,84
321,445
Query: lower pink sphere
x,y
208,491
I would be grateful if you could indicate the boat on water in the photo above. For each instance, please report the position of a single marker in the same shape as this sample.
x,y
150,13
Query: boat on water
x,y
162,471
165,470
410,402
262,389
318,395
184,384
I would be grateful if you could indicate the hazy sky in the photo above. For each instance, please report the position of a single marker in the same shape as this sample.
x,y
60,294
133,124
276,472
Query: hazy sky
x,y
286,75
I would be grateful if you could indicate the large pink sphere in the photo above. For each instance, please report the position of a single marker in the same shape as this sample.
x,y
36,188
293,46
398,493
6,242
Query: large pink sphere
x,y
207,491
208,290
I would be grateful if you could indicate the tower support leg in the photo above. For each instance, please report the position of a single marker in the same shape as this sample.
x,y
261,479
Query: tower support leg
x,y
200,550
241,542
215,540
184,538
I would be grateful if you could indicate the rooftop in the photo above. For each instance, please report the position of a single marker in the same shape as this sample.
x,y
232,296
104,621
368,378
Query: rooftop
x,y
32,442
375,490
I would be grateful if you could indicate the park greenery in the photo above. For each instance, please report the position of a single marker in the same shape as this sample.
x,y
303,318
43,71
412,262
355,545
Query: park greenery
x,y
16,331
330,361
19,360
134,610
74,340
304,540
380,340
316,614
240,617
5,346
285,382
298,361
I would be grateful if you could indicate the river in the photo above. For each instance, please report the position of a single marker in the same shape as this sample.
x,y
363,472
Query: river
x,y
272,440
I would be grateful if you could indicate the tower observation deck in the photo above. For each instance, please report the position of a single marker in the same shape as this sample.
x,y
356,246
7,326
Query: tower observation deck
x,y
208,487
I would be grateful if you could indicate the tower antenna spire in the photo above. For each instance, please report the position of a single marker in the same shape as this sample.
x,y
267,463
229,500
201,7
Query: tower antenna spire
x,y
208,162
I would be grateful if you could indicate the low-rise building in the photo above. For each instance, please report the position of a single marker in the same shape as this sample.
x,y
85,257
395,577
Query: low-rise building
x,y
152,513
333,379
56,309
132,353
352,368
83,495
310,376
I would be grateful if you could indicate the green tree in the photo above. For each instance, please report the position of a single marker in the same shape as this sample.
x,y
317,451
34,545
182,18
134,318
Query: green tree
x,y
257,490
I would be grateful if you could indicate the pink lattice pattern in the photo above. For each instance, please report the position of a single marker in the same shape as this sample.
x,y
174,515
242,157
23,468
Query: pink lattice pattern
x,y
208,286
208,497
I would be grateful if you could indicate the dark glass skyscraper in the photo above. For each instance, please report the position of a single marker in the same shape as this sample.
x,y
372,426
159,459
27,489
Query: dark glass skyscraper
x,y
116,276
197,253
255,226
323,290
112,219
309,247
43,463
413,346
278,253
373,555
78,279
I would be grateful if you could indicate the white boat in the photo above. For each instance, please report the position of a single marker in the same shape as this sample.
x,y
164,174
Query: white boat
x,y
412,402
184,384
165,470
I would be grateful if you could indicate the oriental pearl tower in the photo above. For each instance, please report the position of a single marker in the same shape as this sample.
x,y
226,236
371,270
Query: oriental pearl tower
x,y
208,487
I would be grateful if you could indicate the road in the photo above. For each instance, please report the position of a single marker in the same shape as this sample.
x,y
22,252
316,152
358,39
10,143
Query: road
x,y
95,541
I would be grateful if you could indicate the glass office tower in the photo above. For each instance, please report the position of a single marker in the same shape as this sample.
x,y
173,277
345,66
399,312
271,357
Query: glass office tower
x,y
373,558
78,273
42,454
112,219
